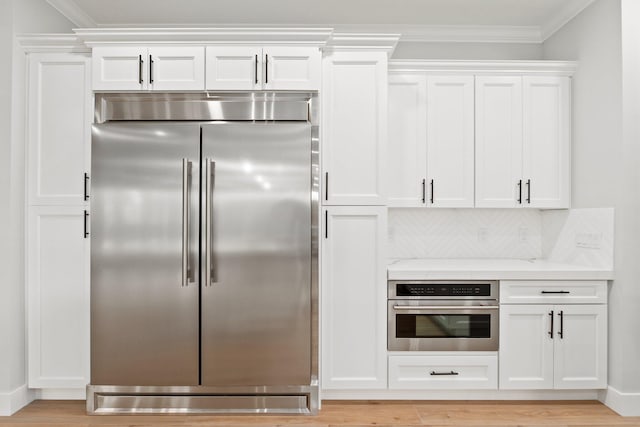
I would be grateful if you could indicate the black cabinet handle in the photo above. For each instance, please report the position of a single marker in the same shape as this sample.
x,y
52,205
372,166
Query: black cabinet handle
x,y
326,186
443,373
150,69
86,186
555,292
140,62
266,69
551,328
520,192
529,191
431,191
326,224
256,68
561,332
86,224
424,190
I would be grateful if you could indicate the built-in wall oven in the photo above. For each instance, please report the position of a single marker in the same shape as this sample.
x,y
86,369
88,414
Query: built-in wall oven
x,y
443,315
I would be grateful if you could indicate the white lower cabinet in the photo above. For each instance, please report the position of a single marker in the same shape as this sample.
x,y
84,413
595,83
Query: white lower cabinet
x,y
353,295
58,297
442,372
553,346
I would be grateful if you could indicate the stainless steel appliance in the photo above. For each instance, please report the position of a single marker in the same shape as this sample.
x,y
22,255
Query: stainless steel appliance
x,y
442,315
204,254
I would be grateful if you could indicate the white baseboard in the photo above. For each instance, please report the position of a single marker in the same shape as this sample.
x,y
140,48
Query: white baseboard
x,y
459,394
61,393
625,404
12,402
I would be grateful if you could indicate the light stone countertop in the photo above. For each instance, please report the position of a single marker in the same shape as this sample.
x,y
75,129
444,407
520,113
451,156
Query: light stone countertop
x,y
491,269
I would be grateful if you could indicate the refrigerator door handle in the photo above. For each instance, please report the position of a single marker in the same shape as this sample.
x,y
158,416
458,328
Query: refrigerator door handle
x,y
210,166
187,271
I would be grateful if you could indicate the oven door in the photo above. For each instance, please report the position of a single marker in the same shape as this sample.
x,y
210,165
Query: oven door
x,y
420,325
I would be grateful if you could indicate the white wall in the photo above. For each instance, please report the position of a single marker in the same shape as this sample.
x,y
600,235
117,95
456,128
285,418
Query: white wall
x,y
503,51
605,39
16,17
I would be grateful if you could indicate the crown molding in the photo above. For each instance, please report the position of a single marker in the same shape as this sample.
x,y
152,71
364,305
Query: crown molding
x,y
51,43
217,35
469,34
73,12
362,41
566,68
562,17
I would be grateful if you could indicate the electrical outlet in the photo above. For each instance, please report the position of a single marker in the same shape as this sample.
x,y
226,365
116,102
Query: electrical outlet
x,y
589,240
483,233
523,234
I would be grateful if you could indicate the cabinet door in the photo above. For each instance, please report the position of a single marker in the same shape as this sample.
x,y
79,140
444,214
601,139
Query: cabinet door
x,y
581,349
407,141
234,68
58,297
498,142
526,347
450,129
354,111
119,68
547,139
353,298
176,68
292,68
58,128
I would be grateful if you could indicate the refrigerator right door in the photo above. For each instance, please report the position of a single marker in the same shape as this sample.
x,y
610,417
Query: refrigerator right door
x,y
256,254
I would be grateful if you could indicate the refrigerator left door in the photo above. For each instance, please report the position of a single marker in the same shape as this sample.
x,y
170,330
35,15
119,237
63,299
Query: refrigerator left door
x,y
144,254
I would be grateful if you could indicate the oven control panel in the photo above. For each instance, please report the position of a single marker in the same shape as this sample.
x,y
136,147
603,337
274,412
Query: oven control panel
x,y
443,290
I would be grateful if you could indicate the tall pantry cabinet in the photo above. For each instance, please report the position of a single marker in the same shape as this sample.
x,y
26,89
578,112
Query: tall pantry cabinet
x,y
57,259
354,221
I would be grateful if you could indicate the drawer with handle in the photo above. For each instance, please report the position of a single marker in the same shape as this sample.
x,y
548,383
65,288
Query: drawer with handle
x,y
553,292
443,372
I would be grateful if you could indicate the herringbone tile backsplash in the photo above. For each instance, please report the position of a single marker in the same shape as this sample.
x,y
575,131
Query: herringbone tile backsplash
x,y
464,233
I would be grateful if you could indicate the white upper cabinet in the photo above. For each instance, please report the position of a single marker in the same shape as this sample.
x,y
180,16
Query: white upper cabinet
x,y
499,142
268,68
119,68
176,68
354,119
234,68
141,68
547,139
522,142
407,141
431,141
58,128
450,141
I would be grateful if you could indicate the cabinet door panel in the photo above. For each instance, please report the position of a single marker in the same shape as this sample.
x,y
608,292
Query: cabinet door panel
x,y
547,139
59,119
581,352
176,68
498,142
119,68
450,140
292,68
58,297
355,128
353,298
233,68
407,141
526,349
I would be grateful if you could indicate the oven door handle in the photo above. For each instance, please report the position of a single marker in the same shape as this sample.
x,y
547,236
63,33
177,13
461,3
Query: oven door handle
x,y
445,307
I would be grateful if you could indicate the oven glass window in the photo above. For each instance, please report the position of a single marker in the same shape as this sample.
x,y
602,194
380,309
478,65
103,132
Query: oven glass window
x,y
443,326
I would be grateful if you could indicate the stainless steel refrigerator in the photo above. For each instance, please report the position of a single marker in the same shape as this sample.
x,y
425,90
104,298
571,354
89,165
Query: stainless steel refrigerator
x,y
203,256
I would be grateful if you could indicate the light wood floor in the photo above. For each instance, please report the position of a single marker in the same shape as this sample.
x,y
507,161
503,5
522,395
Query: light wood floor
x,y
341,413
